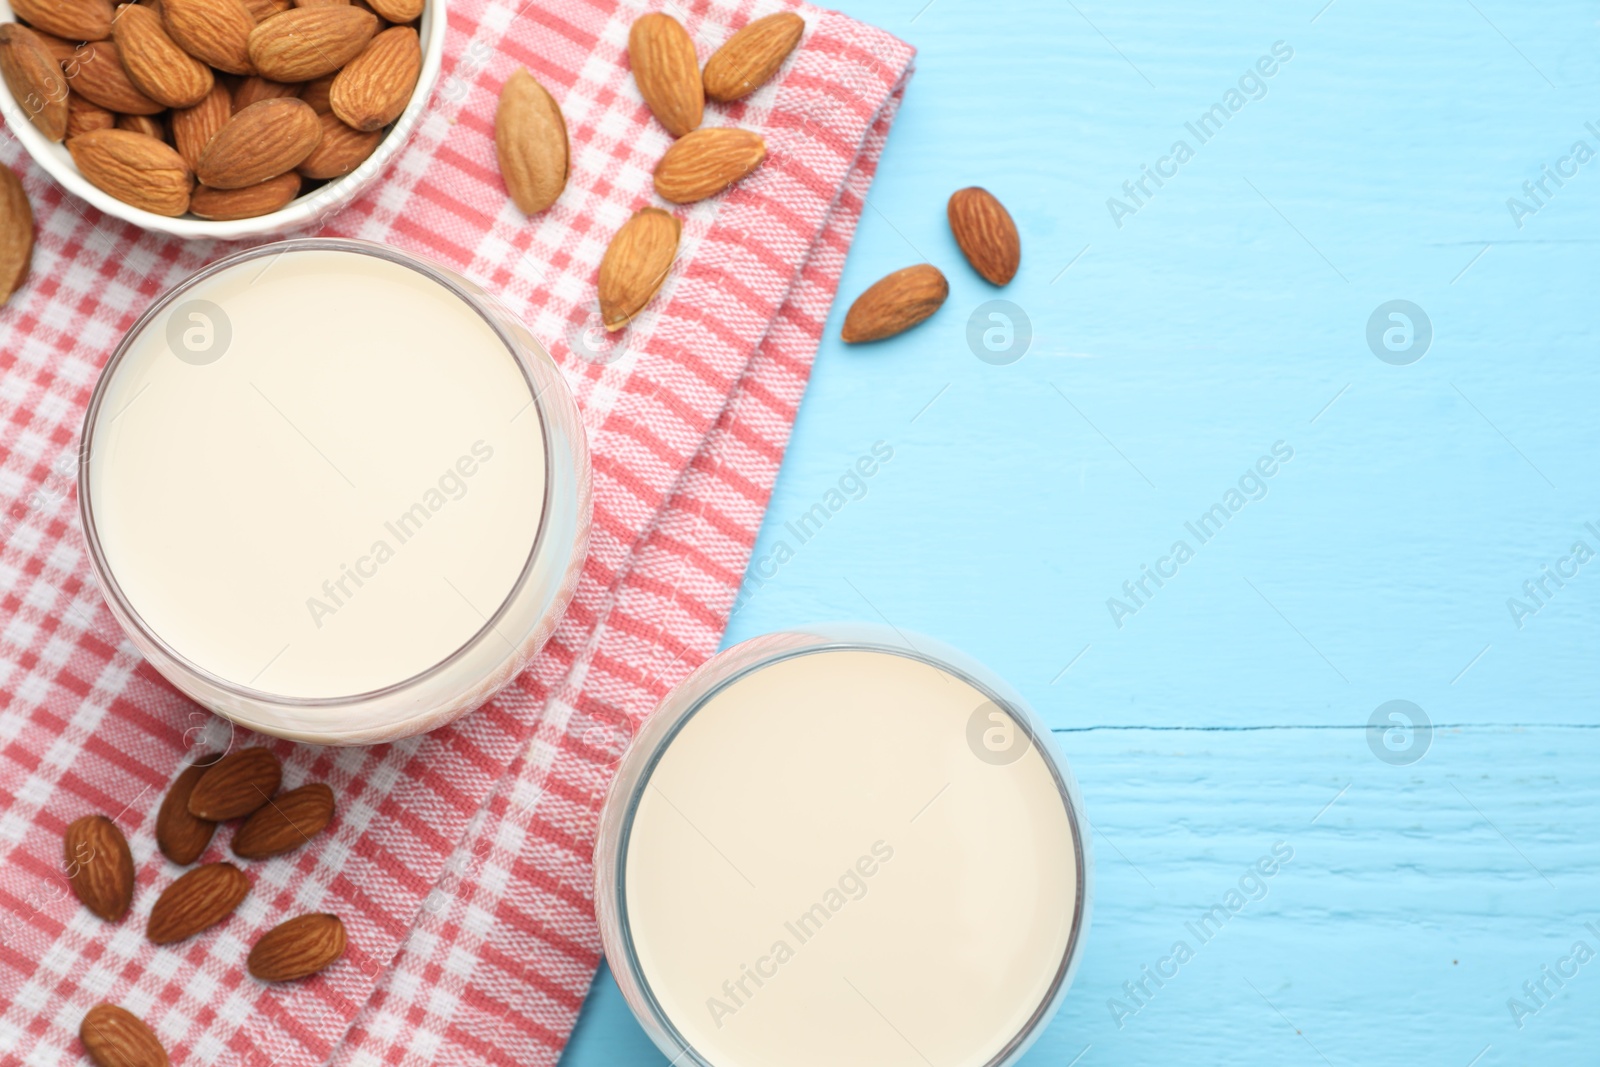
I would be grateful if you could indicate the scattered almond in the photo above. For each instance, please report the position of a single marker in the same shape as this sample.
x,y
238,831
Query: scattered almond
x,y
197,901
83,116
213,31
237,784
154,62
262,198
667,72
984,230
73,20
181,836
262,141
635,264
751,56
193,127
530,141
290,820
96,72
895,303
373,88
297,948
99,866
135,169
340,151
115,1037
34,77
396,11
16,234
309,42
705,162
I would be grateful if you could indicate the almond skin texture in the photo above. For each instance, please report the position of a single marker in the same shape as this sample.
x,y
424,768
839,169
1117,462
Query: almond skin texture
x,y
135,169
292,819
895,303
35,79
193,127
706,162
667,72
748,59
148,125
83,116
96,72
398,11
224,205
197,901
115,1037
213,31
99,866
236,784
340,151
59,47
986,234
298,948
309,42
154,62
180,836
255,89
72,20
374,87
265,9
16,234
262,141
315,92
635,264
530,141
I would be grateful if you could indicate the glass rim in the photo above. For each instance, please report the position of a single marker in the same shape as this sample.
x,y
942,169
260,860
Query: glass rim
x,y
129,615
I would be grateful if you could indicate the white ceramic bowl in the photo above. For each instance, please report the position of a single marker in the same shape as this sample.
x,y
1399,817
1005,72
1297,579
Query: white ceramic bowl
x,y
320,202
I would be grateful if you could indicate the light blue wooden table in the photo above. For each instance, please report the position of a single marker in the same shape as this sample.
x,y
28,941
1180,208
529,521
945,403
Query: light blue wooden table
x,y
1227,312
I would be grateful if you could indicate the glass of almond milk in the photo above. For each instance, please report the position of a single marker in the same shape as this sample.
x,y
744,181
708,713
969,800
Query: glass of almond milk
x,y
334,492
843,845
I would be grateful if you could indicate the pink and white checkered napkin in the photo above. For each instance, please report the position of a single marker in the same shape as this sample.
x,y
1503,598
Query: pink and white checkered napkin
x,y
459,861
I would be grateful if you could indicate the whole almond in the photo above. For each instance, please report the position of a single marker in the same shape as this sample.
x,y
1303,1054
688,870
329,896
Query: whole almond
x,y
374,87
213,31
635,264
750,57
83,116
135,169
197,901
530,141
705,162
154,62
315,92
255,89
115,1037
262,141
193,127
96,72
265,9
667,72
73,20
35,79
181,836
986,234
262,198
396,11
99,866
309,42
290,820
340,151
16,234
236,784
895,303
297,948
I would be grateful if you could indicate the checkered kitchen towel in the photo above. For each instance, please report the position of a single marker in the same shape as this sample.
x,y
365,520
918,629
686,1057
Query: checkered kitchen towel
x,y
459,861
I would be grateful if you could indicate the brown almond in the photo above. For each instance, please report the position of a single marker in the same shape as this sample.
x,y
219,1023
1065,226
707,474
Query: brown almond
x,y
238,783
895,303
213,31
635,264
99,866
983,228
340,151
530,141
288,821
73,20
148,125
374,87
115,1037
265,9
748,59
154,62
135,169
181,836
255,89
96,72
705,162
262,141
396,11
315,92
309,42
59,48
16,234
35,79
193,127
321,3
297,948
83,116
667,72
262,198
199,900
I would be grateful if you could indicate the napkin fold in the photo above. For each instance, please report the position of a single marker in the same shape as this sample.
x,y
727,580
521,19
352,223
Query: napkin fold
x,y
460,861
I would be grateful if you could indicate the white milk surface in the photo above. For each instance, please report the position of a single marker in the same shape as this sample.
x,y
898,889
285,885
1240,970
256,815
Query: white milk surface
x,y
822,870
336,502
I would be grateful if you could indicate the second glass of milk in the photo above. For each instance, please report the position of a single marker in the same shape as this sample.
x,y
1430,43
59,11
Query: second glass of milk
x,y
334,492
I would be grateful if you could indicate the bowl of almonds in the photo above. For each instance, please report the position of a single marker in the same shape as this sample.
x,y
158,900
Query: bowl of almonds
x,y
217,118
